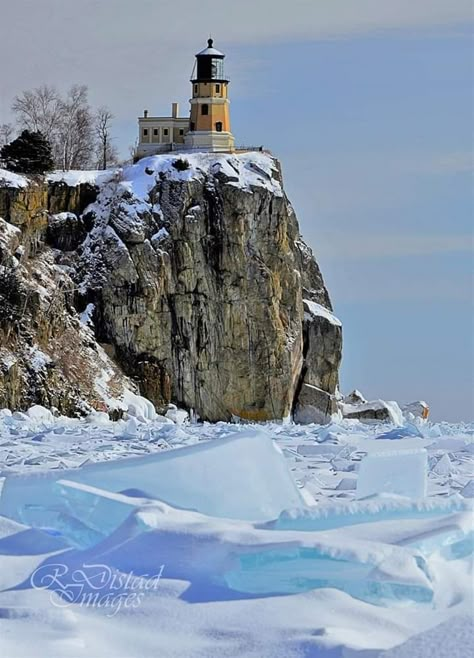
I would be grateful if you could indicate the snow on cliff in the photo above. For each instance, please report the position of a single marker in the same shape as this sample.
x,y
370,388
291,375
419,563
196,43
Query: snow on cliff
x,y
155,234
75,177
244,170
315,309
9,179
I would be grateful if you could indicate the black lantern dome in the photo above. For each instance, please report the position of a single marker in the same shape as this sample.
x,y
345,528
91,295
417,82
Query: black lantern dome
x,y
209,65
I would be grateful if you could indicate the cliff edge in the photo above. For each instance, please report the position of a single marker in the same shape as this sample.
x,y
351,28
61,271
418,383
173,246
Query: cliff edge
x,y
183,277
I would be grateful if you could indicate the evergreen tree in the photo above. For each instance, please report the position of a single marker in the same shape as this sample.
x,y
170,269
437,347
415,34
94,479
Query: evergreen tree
x,y
30,153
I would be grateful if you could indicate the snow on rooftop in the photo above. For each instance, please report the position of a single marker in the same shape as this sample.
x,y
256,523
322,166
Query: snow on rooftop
x,y
210,50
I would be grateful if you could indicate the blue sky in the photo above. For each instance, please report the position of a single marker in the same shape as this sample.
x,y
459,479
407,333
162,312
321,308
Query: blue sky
x,y
367,104
377,157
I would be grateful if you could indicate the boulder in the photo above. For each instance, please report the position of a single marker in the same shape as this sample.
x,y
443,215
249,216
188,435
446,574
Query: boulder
x,y
376,411
355,397
66,231
418,409
315,406
127,223
322,346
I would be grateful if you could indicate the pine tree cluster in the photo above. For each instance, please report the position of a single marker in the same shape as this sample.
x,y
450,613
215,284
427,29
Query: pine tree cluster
x,y
30,153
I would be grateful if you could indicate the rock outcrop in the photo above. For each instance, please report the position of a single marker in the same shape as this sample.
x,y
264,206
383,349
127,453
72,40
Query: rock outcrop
x,y
195,284
417,409
314,405
322,339
378,411
47,355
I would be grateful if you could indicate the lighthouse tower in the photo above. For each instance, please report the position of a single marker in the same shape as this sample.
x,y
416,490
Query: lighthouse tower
x,y
210,117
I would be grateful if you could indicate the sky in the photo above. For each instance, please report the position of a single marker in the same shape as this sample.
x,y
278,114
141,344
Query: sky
x,y
367,104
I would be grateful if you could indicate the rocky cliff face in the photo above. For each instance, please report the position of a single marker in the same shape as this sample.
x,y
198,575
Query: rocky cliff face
x,y
190,277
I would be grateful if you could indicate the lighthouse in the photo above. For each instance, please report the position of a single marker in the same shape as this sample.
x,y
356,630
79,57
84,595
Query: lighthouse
x,y
209,126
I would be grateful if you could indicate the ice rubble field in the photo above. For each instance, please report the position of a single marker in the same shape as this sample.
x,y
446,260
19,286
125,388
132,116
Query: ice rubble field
x,y
268,541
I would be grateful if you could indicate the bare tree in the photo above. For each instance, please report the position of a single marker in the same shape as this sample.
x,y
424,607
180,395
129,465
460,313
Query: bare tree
x,y
132,152
76,136
39,110
75,130
6,134
106,151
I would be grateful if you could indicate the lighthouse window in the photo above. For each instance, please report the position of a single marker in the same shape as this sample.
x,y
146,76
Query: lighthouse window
x,y
145,132
217,69
219,126
218,89
165,131
195,89
205,108
155,131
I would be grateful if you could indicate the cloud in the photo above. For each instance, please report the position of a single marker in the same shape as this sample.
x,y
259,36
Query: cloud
x,y
336,18
133,50
163,22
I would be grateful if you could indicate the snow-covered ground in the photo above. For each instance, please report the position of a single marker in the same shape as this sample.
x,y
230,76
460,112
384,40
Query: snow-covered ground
x,y
277,556
244,170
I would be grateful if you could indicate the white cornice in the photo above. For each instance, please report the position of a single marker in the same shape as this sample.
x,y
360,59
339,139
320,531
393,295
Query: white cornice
x,y
167,119
209,100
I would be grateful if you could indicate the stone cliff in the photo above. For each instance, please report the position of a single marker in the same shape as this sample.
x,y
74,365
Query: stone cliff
x,y
186,278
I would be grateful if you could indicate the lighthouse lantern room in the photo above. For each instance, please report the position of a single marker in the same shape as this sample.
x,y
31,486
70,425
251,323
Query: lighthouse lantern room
x,y
209,127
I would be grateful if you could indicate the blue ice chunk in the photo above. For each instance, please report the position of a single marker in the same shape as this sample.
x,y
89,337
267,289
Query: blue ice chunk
x,y
468,490
459,549
56,521
389,508
401,472
96,509
316,449
300,569
404,432
244,476
453,544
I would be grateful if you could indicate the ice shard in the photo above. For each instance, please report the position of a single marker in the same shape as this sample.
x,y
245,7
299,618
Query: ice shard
x,y
244,476
401,472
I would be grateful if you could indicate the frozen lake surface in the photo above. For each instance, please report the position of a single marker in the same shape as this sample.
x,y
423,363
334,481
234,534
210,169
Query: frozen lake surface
x,y
253,541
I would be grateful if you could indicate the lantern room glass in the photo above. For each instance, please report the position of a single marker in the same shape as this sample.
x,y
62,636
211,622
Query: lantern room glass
x,y
217,69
